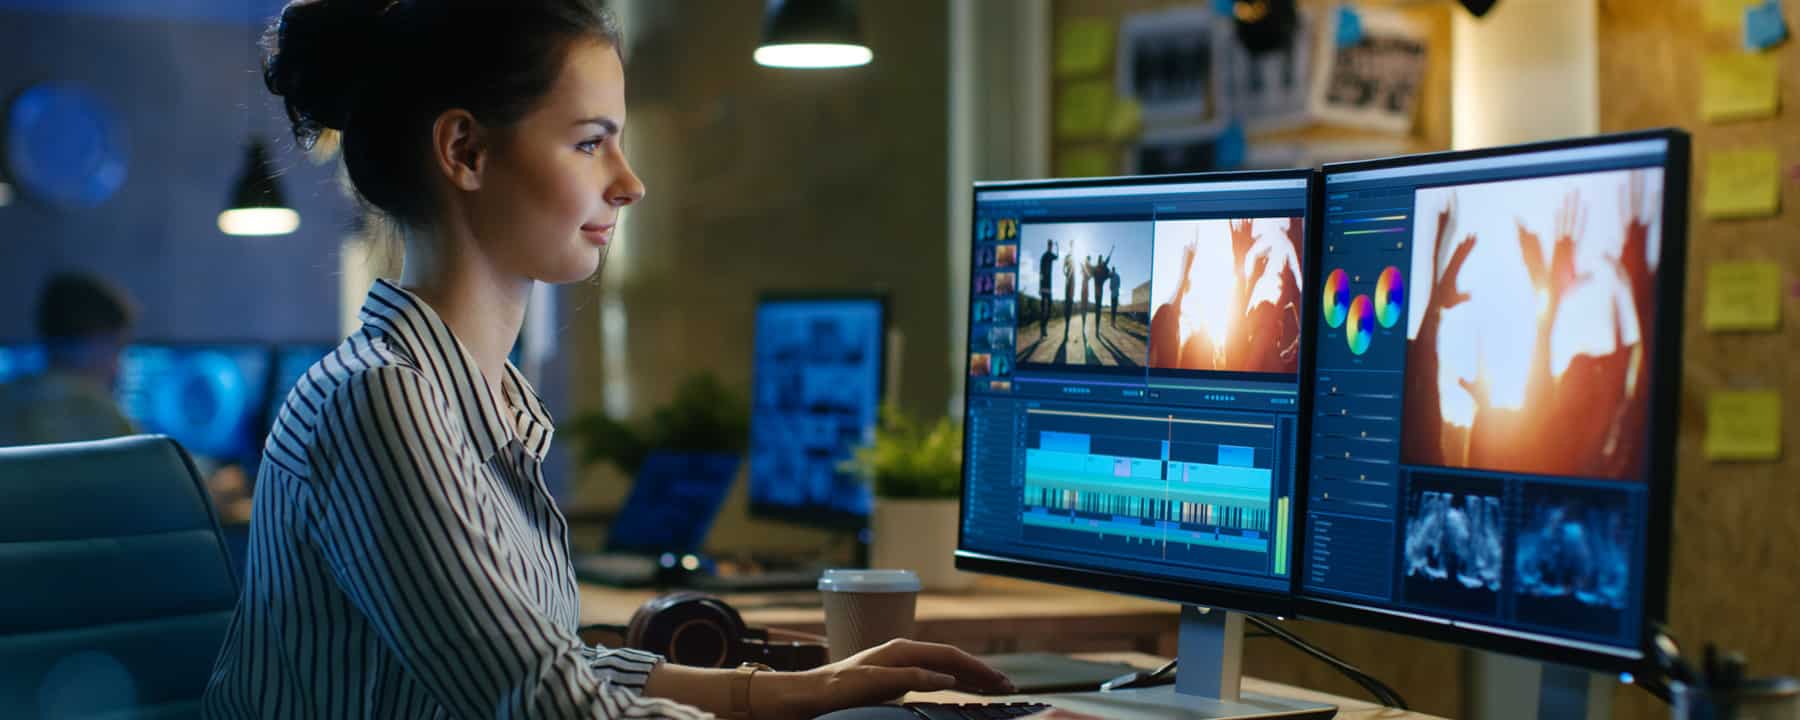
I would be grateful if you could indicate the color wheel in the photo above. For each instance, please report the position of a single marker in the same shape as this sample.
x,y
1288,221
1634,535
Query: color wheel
x,y
1362,324
1337,297
1390,295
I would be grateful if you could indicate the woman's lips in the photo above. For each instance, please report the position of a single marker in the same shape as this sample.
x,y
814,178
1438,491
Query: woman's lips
x,y
597,234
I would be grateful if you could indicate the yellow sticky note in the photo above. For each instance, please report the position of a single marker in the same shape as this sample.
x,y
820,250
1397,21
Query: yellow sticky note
x,y
1743,296
1739,86
1726,14
1742,184
1126,119
1082,109
1743,425
1084,162
1083,46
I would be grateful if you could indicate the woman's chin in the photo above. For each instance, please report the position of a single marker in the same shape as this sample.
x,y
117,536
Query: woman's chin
x,y
580,266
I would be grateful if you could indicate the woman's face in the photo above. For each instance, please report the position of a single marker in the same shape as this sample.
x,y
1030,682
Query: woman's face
x,y
556,181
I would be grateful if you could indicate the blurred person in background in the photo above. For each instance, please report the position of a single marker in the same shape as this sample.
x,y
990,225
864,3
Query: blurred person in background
x,y
83,322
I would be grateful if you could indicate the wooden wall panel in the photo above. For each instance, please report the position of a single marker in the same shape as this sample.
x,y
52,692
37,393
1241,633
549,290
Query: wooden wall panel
x,y
1737,526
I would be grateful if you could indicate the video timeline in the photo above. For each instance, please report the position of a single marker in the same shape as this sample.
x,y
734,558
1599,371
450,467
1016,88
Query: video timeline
x,y
1197,490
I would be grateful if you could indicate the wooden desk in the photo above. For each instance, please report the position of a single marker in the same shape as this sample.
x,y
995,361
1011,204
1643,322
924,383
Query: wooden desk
x,y
997,615
1348,708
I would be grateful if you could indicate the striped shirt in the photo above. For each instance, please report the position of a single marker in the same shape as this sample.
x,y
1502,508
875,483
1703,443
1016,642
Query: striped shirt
x,y
405,558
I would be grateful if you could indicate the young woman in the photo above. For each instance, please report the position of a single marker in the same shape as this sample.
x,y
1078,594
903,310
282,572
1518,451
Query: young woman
x,y
406,560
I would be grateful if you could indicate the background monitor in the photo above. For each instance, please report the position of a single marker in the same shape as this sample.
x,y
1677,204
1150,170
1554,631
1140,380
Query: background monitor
x,y
18,359
1135,356
816,397
291,362
1498,354
208,397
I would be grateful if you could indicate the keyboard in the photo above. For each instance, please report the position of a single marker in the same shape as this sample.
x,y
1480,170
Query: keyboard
x,y
974,711
763,581
937,711
616,569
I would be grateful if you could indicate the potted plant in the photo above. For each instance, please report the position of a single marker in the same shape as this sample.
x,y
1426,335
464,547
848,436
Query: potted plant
x,y
917,476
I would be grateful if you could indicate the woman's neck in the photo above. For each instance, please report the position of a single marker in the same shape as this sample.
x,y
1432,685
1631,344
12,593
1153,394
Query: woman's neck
x,y
482,305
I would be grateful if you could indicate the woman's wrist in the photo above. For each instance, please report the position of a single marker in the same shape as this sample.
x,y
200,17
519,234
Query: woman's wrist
x,y
782,695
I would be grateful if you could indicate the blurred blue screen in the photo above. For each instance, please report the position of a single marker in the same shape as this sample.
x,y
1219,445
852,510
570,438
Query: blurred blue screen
x,y
207,397
20,359
817,392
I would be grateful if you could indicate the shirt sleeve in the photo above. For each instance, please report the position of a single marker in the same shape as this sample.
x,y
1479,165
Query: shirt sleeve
x,y
624,667
415,542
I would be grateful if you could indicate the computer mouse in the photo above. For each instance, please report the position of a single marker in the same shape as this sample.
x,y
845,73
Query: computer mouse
x,y
870,712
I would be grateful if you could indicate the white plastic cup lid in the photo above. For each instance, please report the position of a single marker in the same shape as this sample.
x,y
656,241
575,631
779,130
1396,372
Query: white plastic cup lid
x,y
869,581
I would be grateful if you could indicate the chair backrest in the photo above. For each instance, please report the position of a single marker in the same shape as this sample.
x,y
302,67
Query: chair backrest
x,y
115,587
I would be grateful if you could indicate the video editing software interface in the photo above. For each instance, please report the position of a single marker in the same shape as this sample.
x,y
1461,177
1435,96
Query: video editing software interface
x,y
1481,419
1134,359
818,374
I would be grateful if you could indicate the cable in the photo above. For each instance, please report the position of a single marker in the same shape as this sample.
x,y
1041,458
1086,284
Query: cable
x,y
1383,694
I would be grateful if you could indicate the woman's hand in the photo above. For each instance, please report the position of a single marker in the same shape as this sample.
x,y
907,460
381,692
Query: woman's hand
x,y
876,675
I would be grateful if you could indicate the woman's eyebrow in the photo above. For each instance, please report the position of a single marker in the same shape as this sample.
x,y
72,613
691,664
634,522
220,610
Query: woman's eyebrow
x,y
607,124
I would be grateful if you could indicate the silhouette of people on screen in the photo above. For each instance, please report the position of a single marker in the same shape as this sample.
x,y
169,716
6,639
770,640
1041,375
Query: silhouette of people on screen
x,y
1068,292
1046,294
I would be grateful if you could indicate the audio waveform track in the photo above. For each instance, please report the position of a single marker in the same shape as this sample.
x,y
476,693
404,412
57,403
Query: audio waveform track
x,y
1157,483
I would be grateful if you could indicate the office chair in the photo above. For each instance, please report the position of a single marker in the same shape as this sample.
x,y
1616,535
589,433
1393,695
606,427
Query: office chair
x,y
115,586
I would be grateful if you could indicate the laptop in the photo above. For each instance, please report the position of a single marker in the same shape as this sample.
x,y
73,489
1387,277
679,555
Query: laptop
x,y
671,508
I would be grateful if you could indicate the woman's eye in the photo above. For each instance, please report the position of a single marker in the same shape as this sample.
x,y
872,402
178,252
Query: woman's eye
x,y
589,146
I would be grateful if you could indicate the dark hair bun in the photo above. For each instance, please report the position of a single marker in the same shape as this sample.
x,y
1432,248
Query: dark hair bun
x,y
320,55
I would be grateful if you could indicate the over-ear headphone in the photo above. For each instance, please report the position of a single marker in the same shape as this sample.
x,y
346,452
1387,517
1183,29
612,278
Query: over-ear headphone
x,y
700,630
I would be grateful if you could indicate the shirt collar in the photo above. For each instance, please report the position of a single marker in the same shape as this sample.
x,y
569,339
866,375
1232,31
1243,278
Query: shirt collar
x,y
409,321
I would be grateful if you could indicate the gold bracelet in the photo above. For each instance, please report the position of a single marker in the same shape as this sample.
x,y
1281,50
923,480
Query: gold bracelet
x,y
740,689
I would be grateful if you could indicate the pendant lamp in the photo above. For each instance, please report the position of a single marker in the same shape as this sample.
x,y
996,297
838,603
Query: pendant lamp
x,y
812,34
258,206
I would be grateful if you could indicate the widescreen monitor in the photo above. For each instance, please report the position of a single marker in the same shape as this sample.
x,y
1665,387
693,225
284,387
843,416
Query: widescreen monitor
x,y
18,359
1135,357
209,397
1494,398
291,362
816,396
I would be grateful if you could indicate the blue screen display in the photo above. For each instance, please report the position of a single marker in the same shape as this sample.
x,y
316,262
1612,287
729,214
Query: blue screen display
x,y
20,359
817,395
291,362
208,397
673,503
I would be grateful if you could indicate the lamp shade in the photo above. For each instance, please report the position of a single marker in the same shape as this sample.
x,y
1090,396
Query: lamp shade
x,y
258,206
812,34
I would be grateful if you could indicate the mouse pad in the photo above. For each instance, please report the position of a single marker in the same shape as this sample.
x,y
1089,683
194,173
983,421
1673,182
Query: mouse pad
x,y
1049,673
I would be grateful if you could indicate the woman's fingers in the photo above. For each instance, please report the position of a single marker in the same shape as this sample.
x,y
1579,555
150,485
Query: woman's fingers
x,y
969,670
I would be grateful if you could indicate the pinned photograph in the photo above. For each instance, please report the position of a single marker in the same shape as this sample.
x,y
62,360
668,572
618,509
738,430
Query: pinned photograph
x,y
1374,82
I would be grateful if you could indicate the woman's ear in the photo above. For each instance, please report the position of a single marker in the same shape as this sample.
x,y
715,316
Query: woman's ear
x,y
459,146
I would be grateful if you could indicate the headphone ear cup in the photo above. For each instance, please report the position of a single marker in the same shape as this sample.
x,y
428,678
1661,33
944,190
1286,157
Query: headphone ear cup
x,y
689,628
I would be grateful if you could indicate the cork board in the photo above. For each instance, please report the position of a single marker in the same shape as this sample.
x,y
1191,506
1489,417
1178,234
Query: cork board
x,y
1736,538
1431,120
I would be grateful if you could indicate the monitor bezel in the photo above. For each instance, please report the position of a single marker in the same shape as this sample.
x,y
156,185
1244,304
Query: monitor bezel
x,y
1248,601
1664,400
820,518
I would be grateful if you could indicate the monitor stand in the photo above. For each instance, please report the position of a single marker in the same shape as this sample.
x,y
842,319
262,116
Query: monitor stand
x,y
1207,683
1512,687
